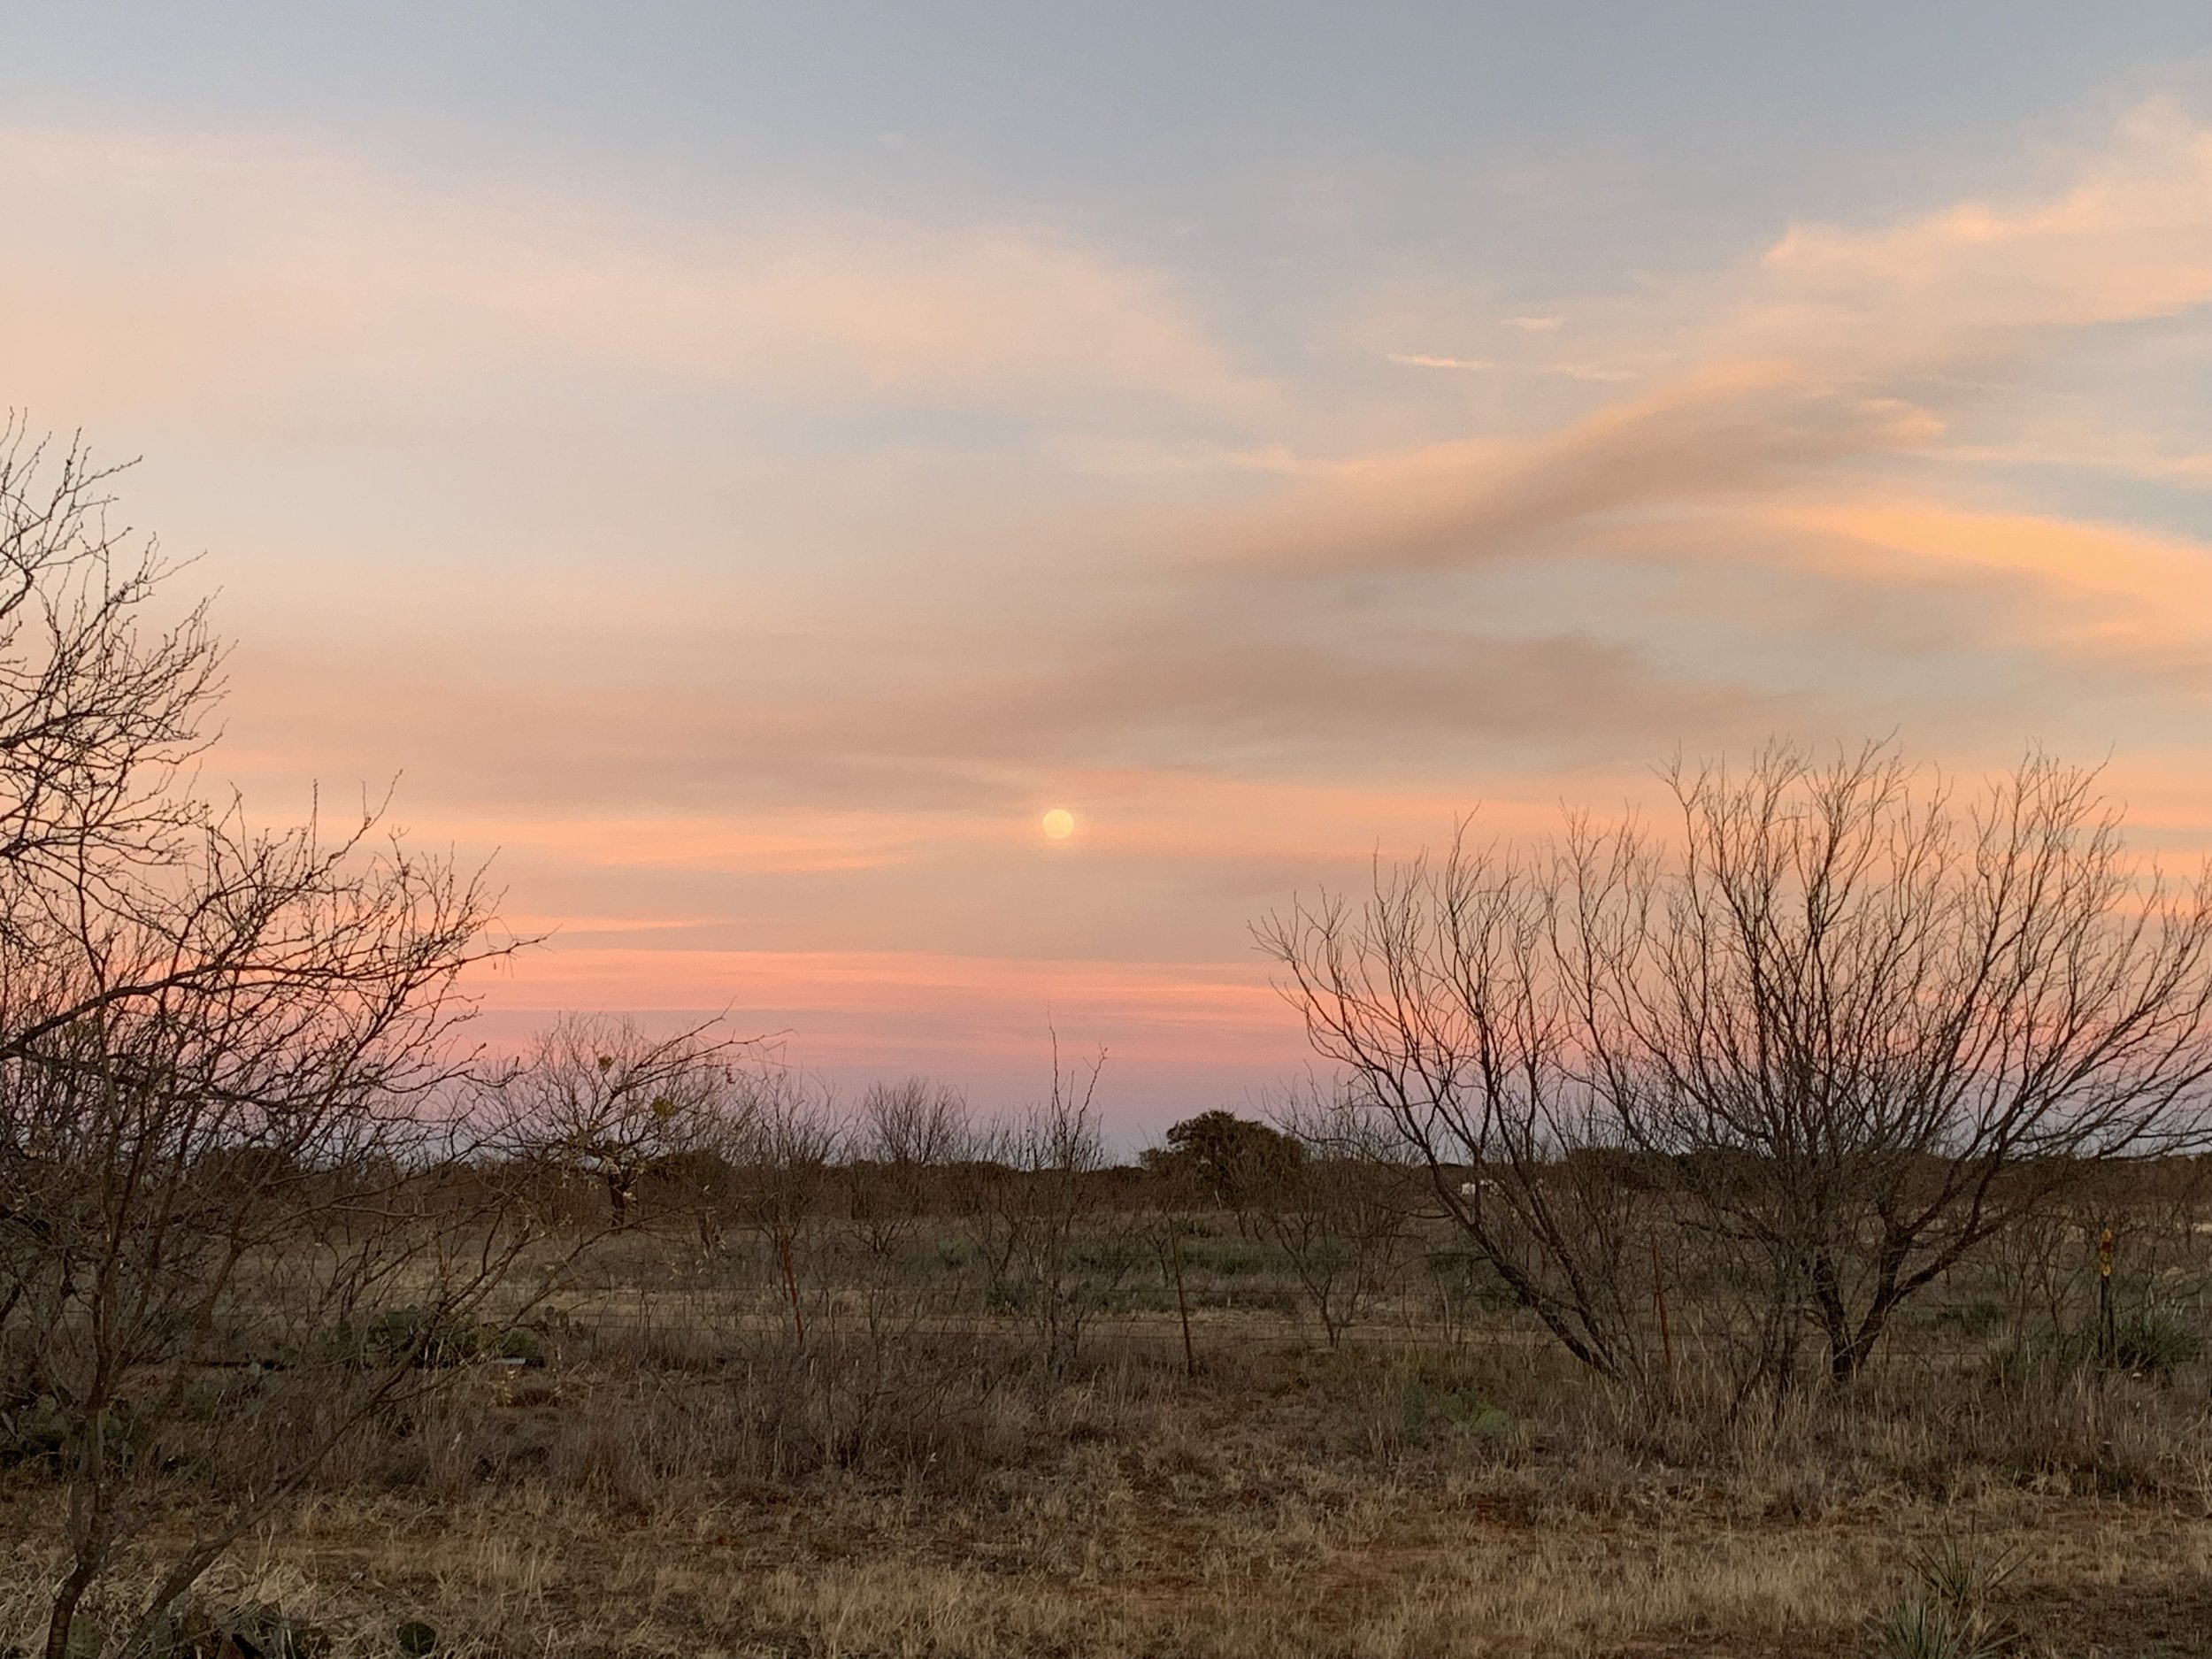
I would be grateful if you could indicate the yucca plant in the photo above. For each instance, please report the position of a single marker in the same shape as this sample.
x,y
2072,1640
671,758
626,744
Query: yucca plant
x,y
1946,1615
2154,1342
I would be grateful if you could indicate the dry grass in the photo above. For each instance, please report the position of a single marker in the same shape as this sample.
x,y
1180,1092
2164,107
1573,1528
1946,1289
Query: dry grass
x,y
1286,1507
1087,1560
680,1476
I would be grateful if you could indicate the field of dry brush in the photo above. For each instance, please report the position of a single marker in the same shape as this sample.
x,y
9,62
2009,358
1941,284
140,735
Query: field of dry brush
x,y
660,1459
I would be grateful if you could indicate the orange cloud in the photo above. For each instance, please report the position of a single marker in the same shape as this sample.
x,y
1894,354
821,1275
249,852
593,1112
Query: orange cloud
x,y
2109,584
2130,238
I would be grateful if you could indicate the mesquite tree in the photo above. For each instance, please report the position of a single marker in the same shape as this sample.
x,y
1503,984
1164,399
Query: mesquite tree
x,y
1848,1018
1441,995
1338,1212
599,1097
219,1183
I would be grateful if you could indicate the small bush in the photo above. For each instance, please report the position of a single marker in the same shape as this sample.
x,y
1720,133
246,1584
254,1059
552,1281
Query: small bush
x,y
2154,1342
1452,1410
1232,1259
1946,1615
404,1329
1920,1627
1969,1319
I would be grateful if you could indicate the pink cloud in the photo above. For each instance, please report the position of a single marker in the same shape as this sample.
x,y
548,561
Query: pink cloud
x,y
205,275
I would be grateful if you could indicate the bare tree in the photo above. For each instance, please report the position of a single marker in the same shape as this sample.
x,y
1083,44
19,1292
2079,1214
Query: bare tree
x,y
222,1052
1338,1212
598,1096
789,1143
1874,1022
1442,996
1855,1024
233,1174
213,1054
102,709
1052,1242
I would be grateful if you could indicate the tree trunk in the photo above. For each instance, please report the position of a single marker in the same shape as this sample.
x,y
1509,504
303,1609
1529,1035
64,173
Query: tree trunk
x,y
791,1286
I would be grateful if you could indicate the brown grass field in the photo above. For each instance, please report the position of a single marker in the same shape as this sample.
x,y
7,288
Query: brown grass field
x,y
662,1464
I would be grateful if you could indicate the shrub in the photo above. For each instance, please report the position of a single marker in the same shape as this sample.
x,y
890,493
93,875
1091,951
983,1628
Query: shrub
x,y
2154,1342
1945,1616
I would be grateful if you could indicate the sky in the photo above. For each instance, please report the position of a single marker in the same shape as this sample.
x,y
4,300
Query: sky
x,y
737,468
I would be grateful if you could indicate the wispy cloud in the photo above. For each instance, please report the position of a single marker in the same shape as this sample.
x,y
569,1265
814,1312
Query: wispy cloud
x,y
1414,360
1792,496
2128,237
224,274
1840,354
1734,430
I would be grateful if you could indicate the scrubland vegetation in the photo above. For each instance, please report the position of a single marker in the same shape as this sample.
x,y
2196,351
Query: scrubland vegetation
x,y
1781,1230
862,1407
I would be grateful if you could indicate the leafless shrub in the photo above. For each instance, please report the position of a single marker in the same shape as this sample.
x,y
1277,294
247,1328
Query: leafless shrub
x,y
1054,1245
904,1136
1443,996
598,1097
217,1045
1856,1024
785,1155
1875,1024
1339,1212
904,1141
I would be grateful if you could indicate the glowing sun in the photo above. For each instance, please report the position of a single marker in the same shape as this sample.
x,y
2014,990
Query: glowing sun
x,y
1059,824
